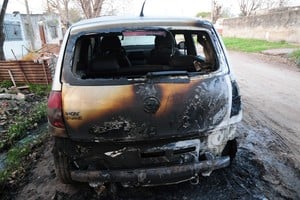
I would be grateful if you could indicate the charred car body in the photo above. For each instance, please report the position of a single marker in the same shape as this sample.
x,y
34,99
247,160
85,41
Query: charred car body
x,y
142,101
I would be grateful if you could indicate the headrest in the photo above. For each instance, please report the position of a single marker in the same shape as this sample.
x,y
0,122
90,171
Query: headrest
x,y
110,43
164,41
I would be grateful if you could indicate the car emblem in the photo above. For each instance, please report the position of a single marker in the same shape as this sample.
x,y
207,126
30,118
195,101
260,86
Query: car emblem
x,y
151,104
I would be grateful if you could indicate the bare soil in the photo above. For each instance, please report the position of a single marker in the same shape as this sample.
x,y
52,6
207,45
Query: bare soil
x,y
267,165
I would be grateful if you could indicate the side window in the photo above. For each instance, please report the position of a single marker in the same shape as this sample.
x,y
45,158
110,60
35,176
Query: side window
x,y
179,38
207,50
197,44
82,56
181,44
199,48
53,32
12,31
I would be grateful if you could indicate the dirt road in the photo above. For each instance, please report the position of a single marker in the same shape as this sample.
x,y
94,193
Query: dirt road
x,y
267,162
270,91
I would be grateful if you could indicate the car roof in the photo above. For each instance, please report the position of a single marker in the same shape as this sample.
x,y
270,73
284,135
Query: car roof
x,y
107,22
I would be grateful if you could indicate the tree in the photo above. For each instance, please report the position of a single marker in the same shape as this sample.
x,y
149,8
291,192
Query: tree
x,y
96,8
282,3
91,8
205,15
275,4
247,7
216,11
62,7
74,15
2,34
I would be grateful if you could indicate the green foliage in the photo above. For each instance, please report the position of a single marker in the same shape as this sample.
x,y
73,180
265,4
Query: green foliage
x,y
14,160
74,15
296,56
41,90
22,124
253,45
204,14
6,84
14,155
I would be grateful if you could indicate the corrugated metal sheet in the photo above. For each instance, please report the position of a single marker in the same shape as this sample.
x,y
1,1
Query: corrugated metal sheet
x,y
25,72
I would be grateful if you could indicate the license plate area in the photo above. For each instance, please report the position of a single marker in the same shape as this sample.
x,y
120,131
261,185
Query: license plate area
x,y
175,153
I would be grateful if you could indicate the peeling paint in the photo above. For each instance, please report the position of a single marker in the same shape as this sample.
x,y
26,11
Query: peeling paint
x,y
122,127
115,153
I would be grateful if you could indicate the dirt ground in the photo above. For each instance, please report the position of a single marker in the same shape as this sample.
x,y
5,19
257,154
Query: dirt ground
x,y
267,165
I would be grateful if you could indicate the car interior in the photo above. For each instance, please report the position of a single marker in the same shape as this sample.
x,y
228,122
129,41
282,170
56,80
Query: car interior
x,y
135,53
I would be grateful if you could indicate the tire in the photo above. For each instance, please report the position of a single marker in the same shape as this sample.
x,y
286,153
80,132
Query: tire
x,y
62,167
230,149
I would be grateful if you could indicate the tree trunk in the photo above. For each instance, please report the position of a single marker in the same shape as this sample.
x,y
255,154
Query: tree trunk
x,y
2,35
91,9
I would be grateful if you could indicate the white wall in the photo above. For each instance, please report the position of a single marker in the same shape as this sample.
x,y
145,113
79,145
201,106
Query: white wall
x,y
45,20
275,26
19,47
15,47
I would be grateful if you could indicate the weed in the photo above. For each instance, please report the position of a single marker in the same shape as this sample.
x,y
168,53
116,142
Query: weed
x,y
6,84
282,42
15,156
22,124
41,90
296,56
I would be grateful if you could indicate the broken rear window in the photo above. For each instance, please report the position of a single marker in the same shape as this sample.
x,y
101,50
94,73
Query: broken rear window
x,y
135,53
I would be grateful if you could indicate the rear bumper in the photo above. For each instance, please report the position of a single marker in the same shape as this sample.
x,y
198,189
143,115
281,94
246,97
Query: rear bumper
x,y
151,176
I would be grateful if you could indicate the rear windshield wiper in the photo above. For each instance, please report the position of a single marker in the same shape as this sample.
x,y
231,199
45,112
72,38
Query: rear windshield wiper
x,y
169,76
166,73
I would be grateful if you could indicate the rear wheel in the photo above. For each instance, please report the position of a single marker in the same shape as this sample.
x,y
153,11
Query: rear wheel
x,y
62,167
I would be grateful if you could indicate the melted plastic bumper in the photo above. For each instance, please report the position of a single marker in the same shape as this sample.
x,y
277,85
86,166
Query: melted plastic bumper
x,y
152,176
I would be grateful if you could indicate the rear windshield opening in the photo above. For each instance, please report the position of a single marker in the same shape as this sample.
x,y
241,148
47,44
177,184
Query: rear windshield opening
x,y
134,53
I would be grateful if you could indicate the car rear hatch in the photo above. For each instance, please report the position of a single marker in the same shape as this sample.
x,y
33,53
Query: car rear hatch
x,y
158,107
104,97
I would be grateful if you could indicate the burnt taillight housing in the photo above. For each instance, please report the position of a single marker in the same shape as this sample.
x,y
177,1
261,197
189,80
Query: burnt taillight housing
x,y
236,99
55,109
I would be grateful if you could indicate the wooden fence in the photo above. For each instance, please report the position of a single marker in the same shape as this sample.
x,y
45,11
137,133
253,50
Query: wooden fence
x,y
25,72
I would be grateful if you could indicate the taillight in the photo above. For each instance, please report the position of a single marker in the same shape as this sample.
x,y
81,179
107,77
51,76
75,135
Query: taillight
x,y
55,109
236,99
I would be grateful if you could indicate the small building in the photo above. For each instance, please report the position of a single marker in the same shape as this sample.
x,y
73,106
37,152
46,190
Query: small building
x,y
46,29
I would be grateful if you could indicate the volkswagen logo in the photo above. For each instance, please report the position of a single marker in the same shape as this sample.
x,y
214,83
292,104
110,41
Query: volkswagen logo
x,y
151,104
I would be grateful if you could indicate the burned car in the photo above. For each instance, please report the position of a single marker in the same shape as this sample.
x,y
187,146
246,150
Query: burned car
x,y
142,101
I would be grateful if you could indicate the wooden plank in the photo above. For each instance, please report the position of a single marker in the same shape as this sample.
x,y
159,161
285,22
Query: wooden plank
x,y
12,78
24,67
30,75
21,77
27,73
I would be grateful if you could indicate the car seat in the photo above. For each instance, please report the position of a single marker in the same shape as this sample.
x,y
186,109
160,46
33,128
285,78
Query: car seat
x,y
164,49
111,47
